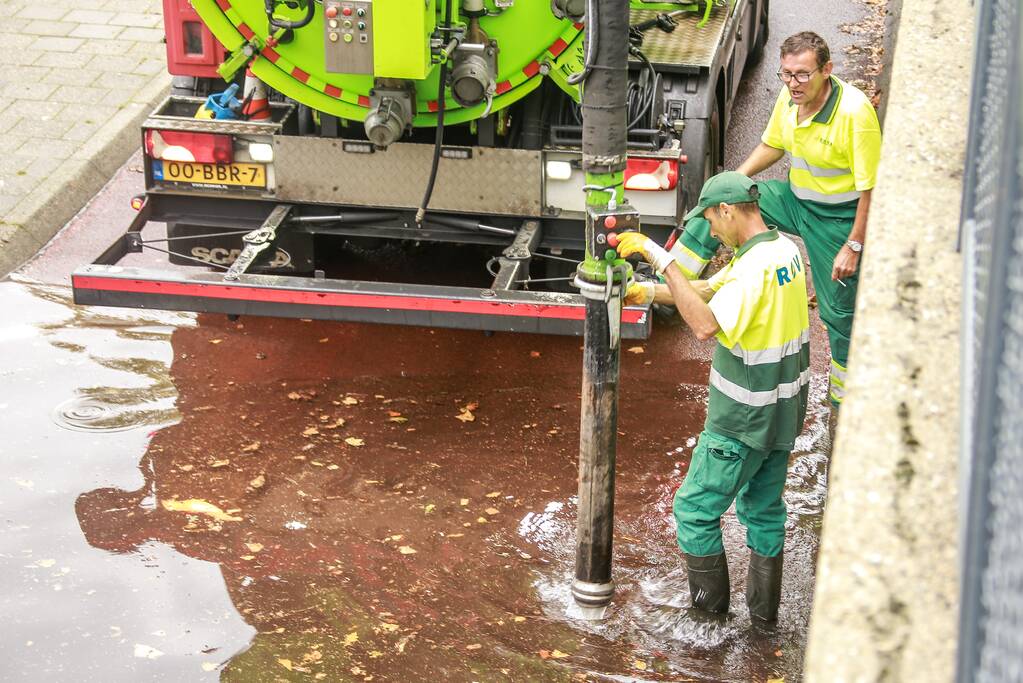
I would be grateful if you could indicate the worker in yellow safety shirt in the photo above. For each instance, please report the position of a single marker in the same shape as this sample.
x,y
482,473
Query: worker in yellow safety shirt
x,y
831,132
756,307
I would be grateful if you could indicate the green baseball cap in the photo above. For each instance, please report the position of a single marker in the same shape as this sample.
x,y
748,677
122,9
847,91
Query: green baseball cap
x,y
730,187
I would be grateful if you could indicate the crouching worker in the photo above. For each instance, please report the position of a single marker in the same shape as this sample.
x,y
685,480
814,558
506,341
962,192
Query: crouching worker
x,y
759,379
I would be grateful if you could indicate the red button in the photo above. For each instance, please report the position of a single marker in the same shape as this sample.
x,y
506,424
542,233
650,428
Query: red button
x,y
612,239
610,222
331,12
347,11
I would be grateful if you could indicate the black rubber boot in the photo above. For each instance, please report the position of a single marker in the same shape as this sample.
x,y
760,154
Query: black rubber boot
x,y
708,582
763,587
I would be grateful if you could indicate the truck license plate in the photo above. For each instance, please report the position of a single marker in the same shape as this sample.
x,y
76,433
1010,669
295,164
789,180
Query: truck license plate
x,y
238,175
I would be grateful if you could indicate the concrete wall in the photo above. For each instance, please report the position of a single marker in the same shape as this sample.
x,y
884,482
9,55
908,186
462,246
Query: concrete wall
x,y
885,607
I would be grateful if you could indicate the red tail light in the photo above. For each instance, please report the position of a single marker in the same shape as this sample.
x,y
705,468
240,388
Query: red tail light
x,y
204,148
651,174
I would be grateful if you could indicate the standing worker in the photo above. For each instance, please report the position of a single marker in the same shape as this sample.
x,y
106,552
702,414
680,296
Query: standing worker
x,y
759,379
831,131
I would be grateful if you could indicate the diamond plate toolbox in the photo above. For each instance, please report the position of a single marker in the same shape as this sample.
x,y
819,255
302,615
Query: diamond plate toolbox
x,y
485,181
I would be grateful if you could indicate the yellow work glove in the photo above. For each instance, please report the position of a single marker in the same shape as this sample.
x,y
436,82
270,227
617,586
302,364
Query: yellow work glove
x,y
630,243
639,294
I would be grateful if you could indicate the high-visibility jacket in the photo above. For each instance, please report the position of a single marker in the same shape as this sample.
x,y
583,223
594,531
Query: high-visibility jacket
x,y
835,153
760,375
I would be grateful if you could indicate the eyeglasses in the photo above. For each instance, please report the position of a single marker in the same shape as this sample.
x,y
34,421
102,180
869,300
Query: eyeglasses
x,y
801,77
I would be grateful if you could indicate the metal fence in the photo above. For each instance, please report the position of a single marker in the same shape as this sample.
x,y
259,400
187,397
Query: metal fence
x,y
991,239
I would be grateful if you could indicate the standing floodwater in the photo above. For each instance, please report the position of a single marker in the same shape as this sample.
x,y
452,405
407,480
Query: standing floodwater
x,y
270,499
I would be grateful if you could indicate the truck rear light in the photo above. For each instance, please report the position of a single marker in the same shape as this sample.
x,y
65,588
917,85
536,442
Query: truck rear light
x,y
261,151
203,148
651,174
559,170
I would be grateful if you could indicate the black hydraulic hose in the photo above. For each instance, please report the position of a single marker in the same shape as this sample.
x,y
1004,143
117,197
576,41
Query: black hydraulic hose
x,y
310,11
439,139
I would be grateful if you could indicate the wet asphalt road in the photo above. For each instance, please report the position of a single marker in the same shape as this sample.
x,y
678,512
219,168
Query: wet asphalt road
x,y
189,498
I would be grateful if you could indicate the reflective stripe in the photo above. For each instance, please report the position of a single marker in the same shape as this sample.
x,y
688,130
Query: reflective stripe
x,y
837,393
758,399
771,355
688,261
817,171
838,373
813,195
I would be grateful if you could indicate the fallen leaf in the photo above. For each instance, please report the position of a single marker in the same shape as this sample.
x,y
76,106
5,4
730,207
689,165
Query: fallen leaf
x,y
352,441
351,638
252,447
393,413
492,511
534,354
375,654
294,396
520,619
286,663
398,420
637,349
455,535
333,467
199,507
481,520
220,463
248,558
350,401
558,654
310,431
254,547
466,416
407,550
429,508
258,482
474,646
775,680
777,653
146,652
340,422
545,654
324,340
494,494
216,341
186,468
390,628
640,664
463,502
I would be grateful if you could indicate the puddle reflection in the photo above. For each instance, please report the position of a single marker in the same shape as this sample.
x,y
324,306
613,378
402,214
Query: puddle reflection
x,y
318,505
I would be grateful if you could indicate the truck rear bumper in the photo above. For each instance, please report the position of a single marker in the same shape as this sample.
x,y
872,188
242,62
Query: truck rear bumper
x,y
344,300
503,306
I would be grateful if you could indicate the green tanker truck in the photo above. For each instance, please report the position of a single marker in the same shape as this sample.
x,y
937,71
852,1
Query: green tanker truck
x,y
409,161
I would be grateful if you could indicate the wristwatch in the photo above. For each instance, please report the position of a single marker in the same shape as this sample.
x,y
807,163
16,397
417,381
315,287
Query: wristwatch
x,y
855,246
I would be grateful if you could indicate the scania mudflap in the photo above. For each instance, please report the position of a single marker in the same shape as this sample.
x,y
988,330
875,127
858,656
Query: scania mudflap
x,y
503,306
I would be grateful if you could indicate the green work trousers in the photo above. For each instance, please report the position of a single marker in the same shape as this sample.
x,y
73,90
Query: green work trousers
x,y
722,470
824,229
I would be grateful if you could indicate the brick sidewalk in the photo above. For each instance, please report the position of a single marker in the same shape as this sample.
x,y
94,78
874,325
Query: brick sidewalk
x,y
76,82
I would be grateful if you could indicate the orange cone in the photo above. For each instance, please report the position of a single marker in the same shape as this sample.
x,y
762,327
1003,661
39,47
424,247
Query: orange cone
x,y
256,106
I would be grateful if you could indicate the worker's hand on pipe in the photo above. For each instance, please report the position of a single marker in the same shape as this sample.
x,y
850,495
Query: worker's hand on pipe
x,y
640,294
630,243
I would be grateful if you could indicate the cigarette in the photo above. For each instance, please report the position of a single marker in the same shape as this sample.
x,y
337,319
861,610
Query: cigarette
x,y
841,283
